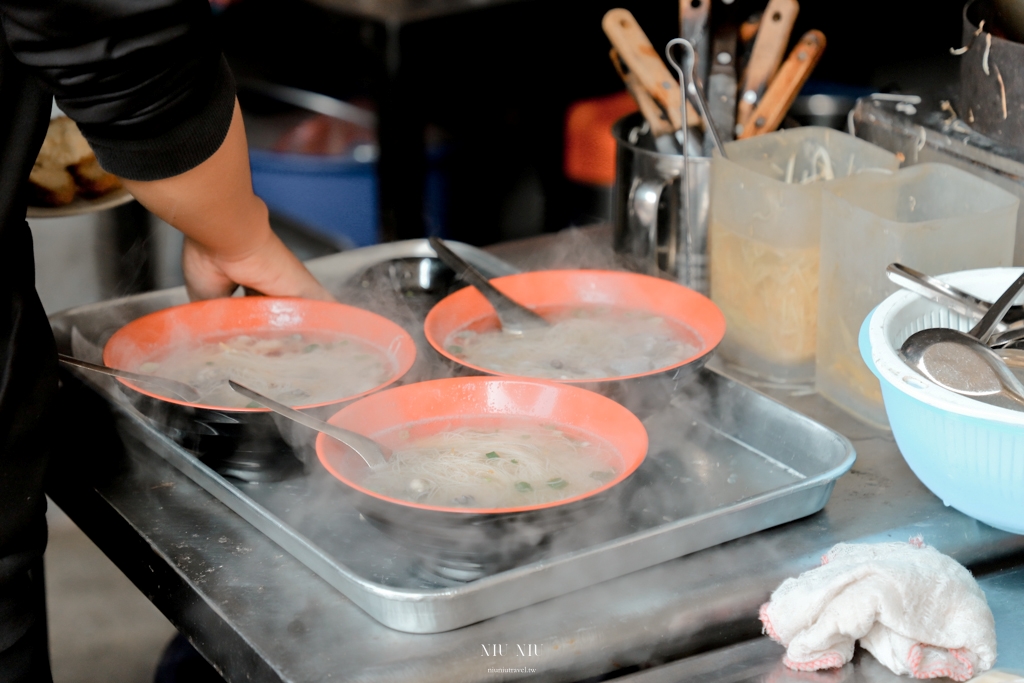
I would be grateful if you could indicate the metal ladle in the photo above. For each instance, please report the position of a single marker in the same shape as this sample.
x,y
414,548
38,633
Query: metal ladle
x,y
373,454
963,363
186,392
514,317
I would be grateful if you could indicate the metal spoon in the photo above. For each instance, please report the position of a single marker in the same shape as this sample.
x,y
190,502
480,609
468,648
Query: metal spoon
x,y
953,298
963,363
514,317
186,392
373,454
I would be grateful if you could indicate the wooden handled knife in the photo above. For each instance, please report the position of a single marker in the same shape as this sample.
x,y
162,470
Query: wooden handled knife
x,y
643,62
766,55
661,128
792,75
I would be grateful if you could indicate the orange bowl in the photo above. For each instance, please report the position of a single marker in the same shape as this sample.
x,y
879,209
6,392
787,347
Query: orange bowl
x,y
463,543
699,319
154,334
440,405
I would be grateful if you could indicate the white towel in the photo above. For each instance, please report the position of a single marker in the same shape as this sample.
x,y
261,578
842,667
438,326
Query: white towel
x,y
916,610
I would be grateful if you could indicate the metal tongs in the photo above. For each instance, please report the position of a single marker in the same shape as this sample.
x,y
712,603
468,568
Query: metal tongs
x,y
689,86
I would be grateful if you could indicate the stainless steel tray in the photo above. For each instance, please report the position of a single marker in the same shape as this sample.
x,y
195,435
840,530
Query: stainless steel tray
x,y
725,461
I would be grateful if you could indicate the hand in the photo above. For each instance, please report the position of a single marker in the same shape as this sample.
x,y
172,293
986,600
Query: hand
x,y
267,267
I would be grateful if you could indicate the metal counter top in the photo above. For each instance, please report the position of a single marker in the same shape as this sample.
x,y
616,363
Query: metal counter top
x,y
259,615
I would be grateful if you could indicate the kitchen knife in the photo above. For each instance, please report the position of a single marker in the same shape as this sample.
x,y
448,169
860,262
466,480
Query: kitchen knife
x,y
769,49
642,61
792,75
722,85
661,128
694,26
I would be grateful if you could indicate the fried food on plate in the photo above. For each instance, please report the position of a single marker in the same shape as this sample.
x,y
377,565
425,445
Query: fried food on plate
x,y
66,167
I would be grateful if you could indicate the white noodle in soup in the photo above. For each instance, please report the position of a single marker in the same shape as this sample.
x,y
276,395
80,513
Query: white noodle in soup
x,y
512,466
583,342
296,369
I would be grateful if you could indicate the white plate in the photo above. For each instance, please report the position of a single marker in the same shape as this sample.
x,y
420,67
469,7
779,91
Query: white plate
x,y
80,205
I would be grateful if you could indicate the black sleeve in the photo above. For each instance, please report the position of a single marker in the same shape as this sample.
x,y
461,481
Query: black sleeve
x,y
144,79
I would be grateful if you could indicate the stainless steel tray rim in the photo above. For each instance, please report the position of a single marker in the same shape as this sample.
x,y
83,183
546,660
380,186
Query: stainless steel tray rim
x,y
433,610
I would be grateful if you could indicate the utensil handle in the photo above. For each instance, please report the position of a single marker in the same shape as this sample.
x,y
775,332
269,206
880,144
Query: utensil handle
x,y
984,329
642,60
784,88
370,451
652,113
467,272
766,56
513,315
721,89
180,389
936,290
693,26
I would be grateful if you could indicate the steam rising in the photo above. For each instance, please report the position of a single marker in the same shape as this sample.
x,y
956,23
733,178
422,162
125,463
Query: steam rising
x,y
692,467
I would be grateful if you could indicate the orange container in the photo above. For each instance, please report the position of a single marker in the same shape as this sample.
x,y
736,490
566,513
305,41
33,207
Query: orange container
x,y
589,145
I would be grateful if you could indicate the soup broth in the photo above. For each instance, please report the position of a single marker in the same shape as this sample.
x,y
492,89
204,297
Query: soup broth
x,y
515,465
583,342
295,369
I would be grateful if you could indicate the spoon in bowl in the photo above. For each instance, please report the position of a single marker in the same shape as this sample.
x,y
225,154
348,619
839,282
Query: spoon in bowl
x,y
186,392
514,317
373,454
963,363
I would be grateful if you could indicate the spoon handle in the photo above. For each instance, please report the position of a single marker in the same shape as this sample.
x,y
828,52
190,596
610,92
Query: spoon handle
x,y
367,449
987,325
936,290
183,391
514,316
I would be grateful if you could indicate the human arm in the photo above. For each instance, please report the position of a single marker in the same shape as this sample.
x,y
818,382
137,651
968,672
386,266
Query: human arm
x,y
152,94
228,237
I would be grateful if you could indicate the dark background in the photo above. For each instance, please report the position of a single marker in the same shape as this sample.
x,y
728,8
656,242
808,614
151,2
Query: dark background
x,y
495,82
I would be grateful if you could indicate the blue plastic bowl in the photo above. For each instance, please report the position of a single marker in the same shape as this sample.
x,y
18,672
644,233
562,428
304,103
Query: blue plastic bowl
x,y
335,195
968,453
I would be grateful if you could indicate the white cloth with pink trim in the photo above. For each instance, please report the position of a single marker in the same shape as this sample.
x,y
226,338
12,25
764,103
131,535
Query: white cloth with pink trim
x,y
919,612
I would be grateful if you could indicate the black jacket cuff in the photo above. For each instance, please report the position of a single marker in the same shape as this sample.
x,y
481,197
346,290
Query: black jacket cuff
x,y
179,148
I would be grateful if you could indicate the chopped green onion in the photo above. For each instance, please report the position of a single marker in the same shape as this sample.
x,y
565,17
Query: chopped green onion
x,y
515,461
253,404
603,476
455,349
523,487
491,456
557,483
311,348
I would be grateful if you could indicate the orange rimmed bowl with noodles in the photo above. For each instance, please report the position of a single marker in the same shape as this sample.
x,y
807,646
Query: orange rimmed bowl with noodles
x,y
302,352
309,354
484,470
607,326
